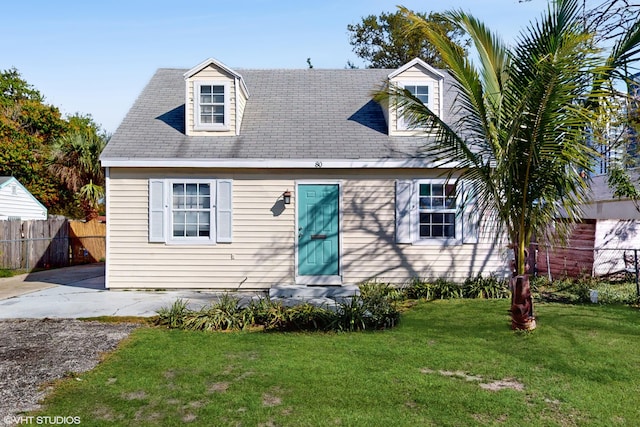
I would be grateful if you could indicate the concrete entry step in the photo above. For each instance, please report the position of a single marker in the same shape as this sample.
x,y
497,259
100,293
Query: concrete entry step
x,y
311,292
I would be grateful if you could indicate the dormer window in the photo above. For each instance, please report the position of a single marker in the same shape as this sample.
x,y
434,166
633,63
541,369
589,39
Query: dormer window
x,y
422,81
424,92
212,106
420,92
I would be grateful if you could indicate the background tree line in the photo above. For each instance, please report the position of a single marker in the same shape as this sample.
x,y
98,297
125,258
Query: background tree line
x,y
55,158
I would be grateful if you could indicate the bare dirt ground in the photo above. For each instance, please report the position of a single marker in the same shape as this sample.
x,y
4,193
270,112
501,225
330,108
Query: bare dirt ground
x,y
33,353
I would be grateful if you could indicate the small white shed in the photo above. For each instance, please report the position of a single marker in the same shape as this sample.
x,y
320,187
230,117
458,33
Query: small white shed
x,y
16,202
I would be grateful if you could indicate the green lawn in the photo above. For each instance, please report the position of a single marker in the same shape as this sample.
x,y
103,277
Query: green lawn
x,y
580,367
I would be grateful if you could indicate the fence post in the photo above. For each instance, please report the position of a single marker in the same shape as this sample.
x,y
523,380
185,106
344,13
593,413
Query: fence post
x,y
635,259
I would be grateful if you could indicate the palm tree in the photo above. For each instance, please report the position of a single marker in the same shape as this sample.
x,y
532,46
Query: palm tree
x,y
524,113
75,161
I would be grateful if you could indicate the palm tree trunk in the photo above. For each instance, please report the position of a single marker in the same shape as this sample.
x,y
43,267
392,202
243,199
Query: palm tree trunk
x,y
521,303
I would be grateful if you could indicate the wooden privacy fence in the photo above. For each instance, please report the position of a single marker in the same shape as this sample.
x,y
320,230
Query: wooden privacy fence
x,y
55,242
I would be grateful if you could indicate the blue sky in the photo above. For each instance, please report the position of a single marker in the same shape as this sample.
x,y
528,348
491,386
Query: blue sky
x,y
94,57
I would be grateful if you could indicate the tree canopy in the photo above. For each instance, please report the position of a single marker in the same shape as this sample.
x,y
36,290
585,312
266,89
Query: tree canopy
x,y
389,40
28,130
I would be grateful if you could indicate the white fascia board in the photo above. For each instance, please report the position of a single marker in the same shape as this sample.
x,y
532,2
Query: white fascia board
x,y
279,163
415,61
208,62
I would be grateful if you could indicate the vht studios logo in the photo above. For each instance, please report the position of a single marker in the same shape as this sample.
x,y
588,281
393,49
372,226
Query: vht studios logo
x,y
41,420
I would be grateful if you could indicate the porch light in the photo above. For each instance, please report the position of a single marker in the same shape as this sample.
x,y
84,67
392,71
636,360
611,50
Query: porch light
x,y
286,197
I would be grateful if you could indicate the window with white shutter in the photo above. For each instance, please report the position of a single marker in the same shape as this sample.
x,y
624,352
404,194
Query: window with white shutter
x,y
190,211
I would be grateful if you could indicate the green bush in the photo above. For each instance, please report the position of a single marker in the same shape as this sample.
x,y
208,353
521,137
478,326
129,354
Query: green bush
x,y
419,289
174,316
446,289
486,287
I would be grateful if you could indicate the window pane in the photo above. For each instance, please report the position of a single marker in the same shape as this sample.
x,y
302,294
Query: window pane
x,y
191,230
191,217
204,202
206,99
218,89
425,202
218,119
425,231
422,90
450,230
204,190
205,89
192,189
217,109
438,189
178,224
218,99
203,219
437,231
206,119
178,196
425,189
450,190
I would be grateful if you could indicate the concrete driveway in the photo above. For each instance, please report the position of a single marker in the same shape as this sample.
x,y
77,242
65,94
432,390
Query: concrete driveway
x,y
79,292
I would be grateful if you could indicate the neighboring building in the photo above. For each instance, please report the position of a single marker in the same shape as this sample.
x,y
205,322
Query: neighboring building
x,y
16,202
246,179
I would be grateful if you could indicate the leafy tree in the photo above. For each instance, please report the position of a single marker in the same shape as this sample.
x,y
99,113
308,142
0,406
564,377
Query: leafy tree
x,y
389,40
27,128
75,161
523,116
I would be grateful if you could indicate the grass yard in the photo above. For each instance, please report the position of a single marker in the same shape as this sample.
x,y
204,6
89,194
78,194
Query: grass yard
x,y
449,363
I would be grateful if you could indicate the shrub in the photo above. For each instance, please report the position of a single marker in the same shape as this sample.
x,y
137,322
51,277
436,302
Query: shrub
x,y
226,314
369,290
486,287
446,289
174,316
419,289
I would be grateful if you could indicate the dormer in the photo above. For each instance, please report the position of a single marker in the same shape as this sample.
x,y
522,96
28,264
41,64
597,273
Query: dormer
x,y
424,82
215,99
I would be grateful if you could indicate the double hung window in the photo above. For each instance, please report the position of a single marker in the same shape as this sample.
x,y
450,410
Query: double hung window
x,y
190,211
437,211
212,105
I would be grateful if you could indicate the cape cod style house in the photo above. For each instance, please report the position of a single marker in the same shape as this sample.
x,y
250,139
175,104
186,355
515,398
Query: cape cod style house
x,y
244,179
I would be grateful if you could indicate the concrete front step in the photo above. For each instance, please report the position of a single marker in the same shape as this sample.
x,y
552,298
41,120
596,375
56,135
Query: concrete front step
x,y
310,292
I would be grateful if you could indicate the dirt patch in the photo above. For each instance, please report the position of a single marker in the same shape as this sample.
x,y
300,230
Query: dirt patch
x,y
503,384
33,353
491,385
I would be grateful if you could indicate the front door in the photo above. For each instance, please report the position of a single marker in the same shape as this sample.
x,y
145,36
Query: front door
x,y
318,230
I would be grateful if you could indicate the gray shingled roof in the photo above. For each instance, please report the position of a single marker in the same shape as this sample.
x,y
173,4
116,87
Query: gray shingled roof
x,y
291,114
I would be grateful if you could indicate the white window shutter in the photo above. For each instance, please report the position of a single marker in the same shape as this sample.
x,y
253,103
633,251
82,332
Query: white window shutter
x,y
405,210
156,210
224,210
470,215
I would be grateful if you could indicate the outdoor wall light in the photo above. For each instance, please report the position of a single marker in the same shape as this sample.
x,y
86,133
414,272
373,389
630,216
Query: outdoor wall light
x,y
286,197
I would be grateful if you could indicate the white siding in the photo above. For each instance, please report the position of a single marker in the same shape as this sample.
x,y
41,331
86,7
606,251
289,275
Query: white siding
x,y
262,251
16,201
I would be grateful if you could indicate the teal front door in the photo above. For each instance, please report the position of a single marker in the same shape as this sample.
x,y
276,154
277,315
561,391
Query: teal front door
x,y
318,230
